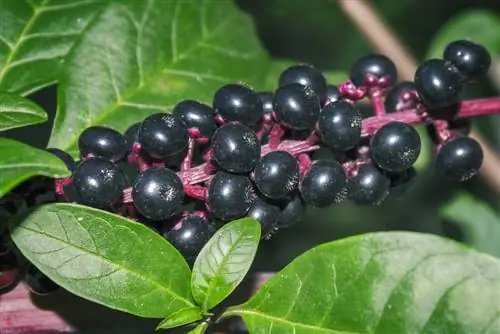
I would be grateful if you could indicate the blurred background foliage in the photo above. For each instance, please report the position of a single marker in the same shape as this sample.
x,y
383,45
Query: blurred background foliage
x,y
317,32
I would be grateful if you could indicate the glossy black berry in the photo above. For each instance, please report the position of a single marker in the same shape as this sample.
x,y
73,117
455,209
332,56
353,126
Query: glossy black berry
x,y
65,157
296,106
292,212
266,214
460,158
438,83
8,269
459,126
267,101
100,141
98,183
189,236
235,148
402,182
234,102
132,136
158,193
471,59
395,146
323,184
163,135
369,186
402,96
305,75
332,94
230,196
375,65
196,115
38,283
339,125
276,174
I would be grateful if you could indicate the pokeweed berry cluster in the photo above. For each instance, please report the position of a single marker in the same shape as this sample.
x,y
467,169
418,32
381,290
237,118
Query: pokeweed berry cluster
x,y
249,154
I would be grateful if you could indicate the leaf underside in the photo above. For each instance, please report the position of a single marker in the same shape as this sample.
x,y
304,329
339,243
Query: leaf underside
x,y
16,111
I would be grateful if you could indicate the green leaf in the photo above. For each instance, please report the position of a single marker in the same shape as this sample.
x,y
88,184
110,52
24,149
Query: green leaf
x,y
16,111
35,35
480,222
181,318
379,283
107,259
224,261
480,26
143,57
200,329
19,162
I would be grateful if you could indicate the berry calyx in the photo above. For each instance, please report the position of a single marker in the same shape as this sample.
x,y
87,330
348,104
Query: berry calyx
x,y
368,186
296,106
395,146
235,102
324,184
402,96
276,174
100,141
460,158
306,75
196,115
373,70
461,126
266,214
471,59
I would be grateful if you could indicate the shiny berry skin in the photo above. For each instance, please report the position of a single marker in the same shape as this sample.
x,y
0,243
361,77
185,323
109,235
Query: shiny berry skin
x,y
323,184
395,146
189,236
132,136
306,75
438,83
234,102
196,115
296,106
402,182
235,148
158,193
267,101
374,65
65,157
276,174
460,158
230,196
369,186
471,59
98,183
163,135
402,96
266,214
100,141
339,125
38,283
292,212
332,94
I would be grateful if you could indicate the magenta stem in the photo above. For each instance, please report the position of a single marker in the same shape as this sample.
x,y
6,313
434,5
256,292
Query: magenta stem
x,y
376,95
188,160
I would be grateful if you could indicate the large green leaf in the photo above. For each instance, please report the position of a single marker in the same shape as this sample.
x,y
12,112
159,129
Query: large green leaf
x,y
224,261
393,282
142,57
17,111
35,35
480,223
19,162
105,258
181,318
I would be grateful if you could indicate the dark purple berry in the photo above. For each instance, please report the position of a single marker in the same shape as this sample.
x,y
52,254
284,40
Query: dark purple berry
x,y
158,193
403,96
98,183
296,106
324,184
189,236
460,158
276,174
305,75
38,283
132,136
339,125
438,83
230,196
267,101
332,94
292,212
235,148
459,126
402,182
471,59
196,115
266,214
100,141
163,135
369,186
234,102
65,157
8,269
395,146
375,65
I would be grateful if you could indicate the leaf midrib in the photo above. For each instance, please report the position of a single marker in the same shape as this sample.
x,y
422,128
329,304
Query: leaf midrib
x,y
120,265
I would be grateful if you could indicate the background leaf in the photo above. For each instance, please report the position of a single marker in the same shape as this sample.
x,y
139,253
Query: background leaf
x,y
107,259
19,162
181,318
143,57
393,282
16,111
224,261
480,222
35,35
